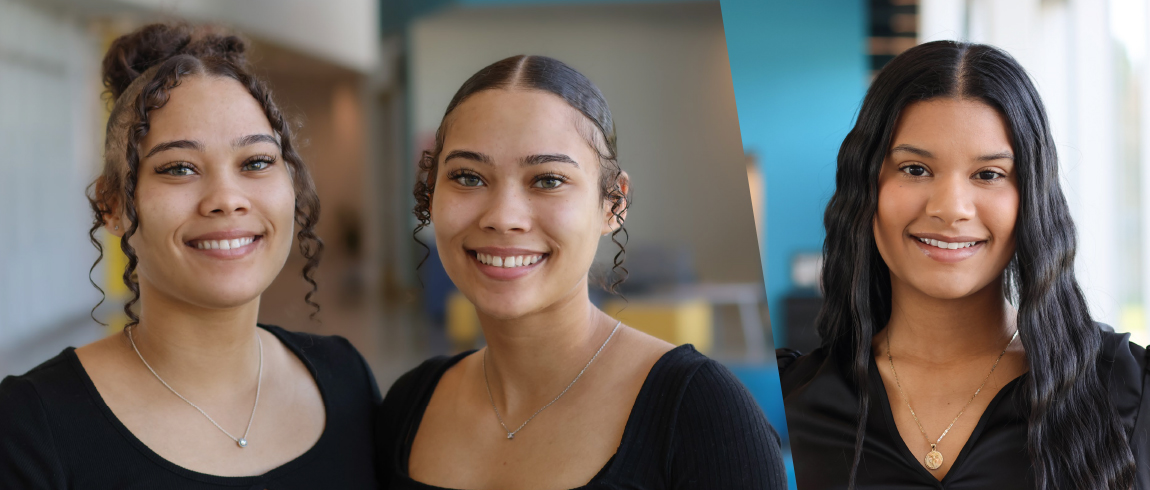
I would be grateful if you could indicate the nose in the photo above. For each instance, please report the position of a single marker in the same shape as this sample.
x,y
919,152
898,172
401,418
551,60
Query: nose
x,y
952,200
223,195
507,211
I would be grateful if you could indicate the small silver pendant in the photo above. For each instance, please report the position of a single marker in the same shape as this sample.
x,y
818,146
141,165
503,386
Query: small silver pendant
x,y
242,442
510,435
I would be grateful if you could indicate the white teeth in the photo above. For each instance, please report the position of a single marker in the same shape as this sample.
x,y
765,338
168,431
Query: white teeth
x,y
946,245
507,262
224,244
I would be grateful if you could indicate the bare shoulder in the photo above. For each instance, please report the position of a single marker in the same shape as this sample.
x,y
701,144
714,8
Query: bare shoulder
x,y
638,351
105,359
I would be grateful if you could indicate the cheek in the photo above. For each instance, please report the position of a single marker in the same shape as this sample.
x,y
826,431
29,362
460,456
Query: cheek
x,y
896,210
159,212
999,212
451,213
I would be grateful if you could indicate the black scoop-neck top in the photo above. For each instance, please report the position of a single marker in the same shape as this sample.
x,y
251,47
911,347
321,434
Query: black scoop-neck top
x,y
822,411
693,426
56,432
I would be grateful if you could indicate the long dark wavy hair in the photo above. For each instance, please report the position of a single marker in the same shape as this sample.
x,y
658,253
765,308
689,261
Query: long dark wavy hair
x,y
1075,438
552,76
140,70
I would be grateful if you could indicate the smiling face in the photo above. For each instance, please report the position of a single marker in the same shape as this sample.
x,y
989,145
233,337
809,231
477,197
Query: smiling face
x,y
517,206
948,199
214,200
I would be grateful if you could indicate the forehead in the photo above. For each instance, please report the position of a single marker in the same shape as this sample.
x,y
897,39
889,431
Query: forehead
x,y
513,123
208,109
963,126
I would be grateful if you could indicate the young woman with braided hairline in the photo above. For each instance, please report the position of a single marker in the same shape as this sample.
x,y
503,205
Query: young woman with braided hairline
x,y
522,184
206,191
958,351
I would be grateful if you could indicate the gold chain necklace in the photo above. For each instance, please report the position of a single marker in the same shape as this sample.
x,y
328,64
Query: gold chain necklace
x,y
933,459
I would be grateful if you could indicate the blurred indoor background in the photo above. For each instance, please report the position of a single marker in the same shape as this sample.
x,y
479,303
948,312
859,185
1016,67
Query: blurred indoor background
x,y
1087,58
368,83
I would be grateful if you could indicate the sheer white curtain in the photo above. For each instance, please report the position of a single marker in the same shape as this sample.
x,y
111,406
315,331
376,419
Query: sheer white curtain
x,y
1087,60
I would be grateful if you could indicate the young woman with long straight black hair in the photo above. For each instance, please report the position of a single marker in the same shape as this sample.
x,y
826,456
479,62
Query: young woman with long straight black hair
x,y
522,185
957,349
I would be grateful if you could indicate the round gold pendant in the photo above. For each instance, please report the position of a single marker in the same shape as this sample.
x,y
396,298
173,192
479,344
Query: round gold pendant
x,y
933,459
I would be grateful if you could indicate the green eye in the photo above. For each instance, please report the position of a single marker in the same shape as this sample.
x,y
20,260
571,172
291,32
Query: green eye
x,y
549,181
176,170
465,178
468,181
257,165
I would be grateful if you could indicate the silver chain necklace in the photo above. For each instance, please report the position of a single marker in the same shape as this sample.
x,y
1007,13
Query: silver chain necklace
x,y
511,433
240,441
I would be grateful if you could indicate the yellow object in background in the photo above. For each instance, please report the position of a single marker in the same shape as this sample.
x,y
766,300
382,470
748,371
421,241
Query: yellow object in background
x,y
681,322
1132,319
462,322
115,290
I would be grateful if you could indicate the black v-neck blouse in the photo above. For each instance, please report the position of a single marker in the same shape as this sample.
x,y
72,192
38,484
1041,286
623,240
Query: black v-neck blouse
x,y
822,412
56,432
693,426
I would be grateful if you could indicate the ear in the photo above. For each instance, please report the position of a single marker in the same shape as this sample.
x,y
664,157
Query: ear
x,y
114,222
619,202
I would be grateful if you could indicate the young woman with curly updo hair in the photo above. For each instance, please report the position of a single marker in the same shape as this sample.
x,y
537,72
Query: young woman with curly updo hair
x,y
204,187
521,186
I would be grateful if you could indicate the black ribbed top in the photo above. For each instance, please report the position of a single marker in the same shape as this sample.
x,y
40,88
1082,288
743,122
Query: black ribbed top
x,y
693,426
56,432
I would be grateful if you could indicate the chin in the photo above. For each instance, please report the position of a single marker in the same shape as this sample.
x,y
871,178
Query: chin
x,y
947,287
233,296
503,306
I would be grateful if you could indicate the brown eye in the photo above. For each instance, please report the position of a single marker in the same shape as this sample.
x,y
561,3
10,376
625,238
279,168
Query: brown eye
x,y
914,170
988,175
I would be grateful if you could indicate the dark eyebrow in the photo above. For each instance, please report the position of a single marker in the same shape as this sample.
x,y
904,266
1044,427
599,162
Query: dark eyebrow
x,y
1002,155
469,155
171,145
548,158
252,139
912,149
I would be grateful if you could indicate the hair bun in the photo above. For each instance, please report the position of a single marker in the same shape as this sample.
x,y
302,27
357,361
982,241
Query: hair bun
x,y
133,53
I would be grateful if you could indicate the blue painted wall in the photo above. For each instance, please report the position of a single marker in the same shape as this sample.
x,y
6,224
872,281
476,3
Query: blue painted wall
x,y
799,70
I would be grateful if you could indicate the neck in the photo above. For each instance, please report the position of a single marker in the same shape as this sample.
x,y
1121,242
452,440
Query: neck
x,y
531,358
196,346
944,330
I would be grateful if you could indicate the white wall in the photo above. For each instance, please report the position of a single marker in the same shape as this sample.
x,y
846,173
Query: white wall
x,y
48,154
664,71
345,32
